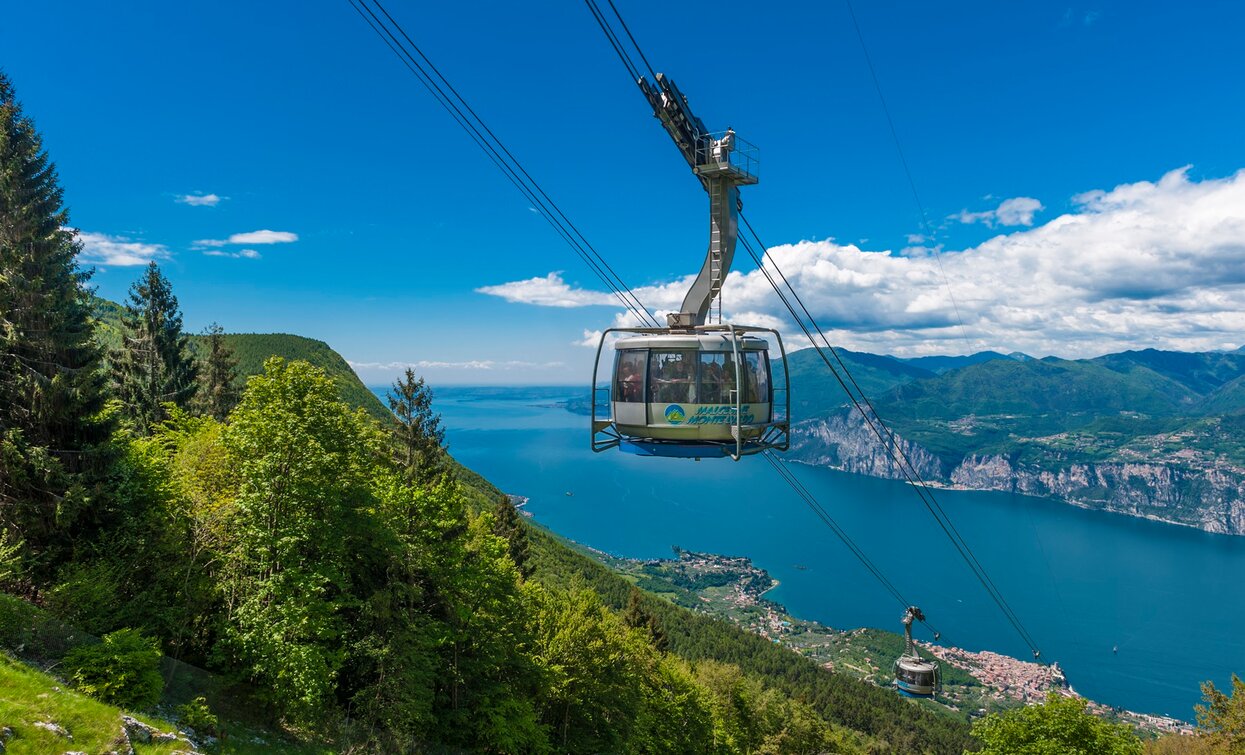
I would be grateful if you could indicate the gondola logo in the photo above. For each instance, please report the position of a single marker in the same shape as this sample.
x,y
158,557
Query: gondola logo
x,y
675,414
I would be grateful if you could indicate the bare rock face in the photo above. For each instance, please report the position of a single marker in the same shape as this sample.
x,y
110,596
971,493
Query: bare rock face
x,y
845,442
1207,497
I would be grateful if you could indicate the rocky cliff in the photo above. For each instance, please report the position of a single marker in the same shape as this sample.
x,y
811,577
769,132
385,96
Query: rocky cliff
x,y
1210,497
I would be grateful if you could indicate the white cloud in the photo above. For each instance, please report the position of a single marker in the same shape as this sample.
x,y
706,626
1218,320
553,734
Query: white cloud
x,y
249,254
252,237
1010,212
1145,264
475,364
200,200
117,251
549,291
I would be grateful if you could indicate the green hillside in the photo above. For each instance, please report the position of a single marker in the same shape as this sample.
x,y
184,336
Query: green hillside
x,y
1041,388
1054,411
814,390
252,349
941,364
843,700
1201,373
854,716
1227,399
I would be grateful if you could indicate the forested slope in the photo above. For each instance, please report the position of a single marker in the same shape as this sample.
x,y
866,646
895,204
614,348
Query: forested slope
x,y
845,701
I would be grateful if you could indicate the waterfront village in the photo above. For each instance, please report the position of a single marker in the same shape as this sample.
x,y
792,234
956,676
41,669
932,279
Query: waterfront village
x,y
974,683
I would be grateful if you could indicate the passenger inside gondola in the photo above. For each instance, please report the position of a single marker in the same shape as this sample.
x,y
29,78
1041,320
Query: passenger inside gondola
x,y
714,385
672,376
631,376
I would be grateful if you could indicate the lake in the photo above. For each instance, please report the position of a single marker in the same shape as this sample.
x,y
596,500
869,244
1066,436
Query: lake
x,y
1172,599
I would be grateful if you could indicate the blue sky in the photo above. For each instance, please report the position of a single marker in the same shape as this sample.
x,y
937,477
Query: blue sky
x,y
301,123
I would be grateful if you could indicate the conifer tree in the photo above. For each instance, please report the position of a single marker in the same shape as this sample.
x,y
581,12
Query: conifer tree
x,y
219,391
636,616
51,387
507,525
420,436
154,366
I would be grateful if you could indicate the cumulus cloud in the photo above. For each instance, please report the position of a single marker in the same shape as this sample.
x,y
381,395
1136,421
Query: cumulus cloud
x,y
1144,264
249,254
475,364
200,200
252,237
1010,212
117,251
549,291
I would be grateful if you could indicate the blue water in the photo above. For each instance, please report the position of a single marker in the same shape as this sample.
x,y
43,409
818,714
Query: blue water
x,y
1171,598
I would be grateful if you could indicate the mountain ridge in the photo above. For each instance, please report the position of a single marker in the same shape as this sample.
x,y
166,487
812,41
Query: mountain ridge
x,y
1145,432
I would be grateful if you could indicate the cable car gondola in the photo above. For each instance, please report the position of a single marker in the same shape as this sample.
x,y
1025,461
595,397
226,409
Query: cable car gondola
x,y
695,389
915,676
702,392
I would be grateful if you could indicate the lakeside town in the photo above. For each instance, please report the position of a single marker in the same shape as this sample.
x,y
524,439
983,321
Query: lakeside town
x,y
974,682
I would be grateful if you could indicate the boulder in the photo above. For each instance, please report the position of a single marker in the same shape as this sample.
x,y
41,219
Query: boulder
x,y
137,731
55,728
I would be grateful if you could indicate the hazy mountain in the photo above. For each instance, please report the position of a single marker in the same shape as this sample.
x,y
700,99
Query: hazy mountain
x,y
814,391
941,364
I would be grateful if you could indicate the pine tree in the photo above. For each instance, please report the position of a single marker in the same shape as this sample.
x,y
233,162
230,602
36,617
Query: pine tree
x,y
51,387
420,436
154,365
219,391
636,616
507,525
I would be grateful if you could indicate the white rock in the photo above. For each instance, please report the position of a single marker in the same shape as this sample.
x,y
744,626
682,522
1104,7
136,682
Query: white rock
x,y
56,729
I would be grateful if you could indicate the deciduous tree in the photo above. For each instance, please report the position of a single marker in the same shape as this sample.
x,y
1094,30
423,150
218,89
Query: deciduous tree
x,y
1059,726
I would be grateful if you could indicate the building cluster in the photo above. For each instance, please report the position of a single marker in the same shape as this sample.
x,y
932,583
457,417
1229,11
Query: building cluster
x,y
1016,679
1031,682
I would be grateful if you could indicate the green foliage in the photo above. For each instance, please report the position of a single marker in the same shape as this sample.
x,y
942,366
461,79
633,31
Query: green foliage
x,y
219,388
51,392
592,661
10,556
304,463
840,700
123,670
1059,726
154,366
1221,718
198,716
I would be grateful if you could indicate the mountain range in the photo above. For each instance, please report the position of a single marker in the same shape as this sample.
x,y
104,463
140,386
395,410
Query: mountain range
x,y
1159,434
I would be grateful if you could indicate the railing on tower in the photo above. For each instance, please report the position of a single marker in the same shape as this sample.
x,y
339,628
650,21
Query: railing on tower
x,y
716,153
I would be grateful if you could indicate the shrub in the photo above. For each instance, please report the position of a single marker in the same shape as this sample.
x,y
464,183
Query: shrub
x,y
198,716
123,670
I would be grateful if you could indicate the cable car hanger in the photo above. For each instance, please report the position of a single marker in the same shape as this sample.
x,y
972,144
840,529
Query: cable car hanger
x,y
698,387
